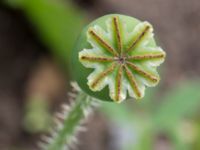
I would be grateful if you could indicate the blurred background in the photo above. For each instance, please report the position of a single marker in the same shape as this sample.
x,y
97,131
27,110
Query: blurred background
x,y
36,39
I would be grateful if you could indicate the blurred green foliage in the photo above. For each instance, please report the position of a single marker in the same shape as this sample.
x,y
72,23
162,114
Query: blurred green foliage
x,y
171,117
57,22
37,115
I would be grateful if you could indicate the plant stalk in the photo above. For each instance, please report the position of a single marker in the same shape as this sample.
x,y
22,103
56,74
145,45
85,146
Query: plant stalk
x,y
66,131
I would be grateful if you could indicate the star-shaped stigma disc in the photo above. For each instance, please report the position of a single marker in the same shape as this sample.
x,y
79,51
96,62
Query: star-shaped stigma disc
x,y
122,58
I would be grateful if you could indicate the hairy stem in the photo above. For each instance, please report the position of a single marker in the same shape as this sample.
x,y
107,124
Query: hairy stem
x,y
66,131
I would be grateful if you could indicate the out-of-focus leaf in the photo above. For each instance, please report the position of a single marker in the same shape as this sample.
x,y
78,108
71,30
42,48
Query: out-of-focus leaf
x,y
57,22
37,115
196,142
118,113
146,104
178,103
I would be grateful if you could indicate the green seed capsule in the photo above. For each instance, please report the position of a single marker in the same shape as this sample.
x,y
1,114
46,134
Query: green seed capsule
x,y
116,57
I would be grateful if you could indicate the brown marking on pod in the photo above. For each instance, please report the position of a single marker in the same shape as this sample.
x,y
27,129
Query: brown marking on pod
x,y
119,82
142,72
146,56
98,59
103,75
118,34
132,81
138,38
103,42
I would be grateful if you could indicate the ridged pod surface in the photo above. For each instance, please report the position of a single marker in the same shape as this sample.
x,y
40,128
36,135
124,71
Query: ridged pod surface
x,y
115,57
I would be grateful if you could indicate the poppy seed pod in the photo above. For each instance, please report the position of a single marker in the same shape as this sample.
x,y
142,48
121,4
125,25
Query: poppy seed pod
x,y
116,57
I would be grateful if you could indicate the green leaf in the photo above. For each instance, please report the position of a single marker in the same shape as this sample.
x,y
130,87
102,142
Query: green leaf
x,y
57,22
118,113
178,103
